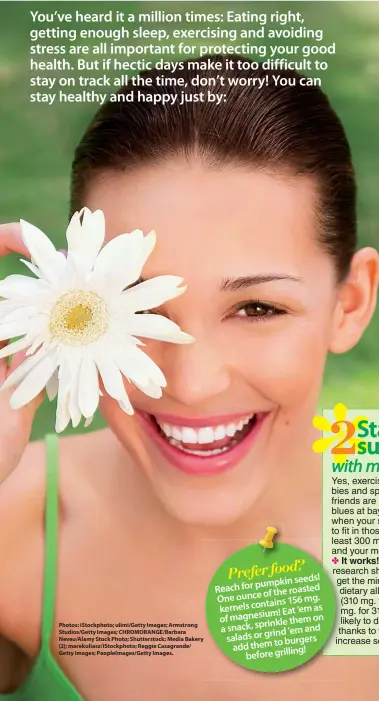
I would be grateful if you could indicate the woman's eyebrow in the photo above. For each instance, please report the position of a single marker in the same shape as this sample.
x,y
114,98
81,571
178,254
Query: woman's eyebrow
x,y
232,284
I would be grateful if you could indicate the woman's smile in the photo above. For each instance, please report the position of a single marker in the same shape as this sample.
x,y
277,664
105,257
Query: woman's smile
x,y
203,446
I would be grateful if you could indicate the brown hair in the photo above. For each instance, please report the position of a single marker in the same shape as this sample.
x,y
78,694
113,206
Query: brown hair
x,y
277,127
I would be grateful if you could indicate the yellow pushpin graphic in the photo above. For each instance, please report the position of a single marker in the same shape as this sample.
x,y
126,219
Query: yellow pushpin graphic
x,y
267,541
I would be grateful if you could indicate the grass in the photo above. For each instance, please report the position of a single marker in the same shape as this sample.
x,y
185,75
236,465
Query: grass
x,y
37,144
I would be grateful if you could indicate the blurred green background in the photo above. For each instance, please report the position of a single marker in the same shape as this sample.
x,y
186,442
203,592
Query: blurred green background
x,y
37,144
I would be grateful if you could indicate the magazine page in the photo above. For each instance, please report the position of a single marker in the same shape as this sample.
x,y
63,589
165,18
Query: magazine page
x,y
189,384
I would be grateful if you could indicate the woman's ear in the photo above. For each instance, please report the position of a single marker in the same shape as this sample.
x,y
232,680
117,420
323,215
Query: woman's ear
x,y
356,301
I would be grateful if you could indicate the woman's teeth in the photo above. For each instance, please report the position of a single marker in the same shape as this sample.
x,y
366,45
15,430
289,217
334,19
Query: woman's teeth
x,y
207,435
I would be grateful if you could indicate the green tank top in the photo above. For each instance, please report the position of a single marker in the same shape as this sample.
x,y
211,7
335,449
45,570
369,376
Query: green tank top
x,y
46,681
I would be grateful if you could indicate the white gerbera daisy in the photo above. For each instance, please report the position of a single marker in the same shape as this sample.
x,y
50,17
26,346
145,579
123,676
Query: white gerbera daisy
x,y
77,320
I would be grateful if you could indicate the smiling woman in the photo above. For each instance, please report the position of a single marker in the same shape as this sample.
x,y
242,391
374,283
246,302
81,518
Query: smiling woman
x,y
254,205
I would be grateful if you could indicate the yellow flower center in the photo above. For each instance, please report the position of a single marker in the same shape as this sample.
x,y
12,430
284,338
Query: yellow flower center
x,y
79,317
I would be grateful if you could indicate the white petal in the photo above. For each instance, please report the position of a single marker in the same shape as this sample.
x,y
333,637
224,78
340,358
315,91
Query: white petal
x,y
73,407
121,260
22,370
88,421
138,367
37,342
14,328
126,407
18,286
62,418
72,276
64,389
152,293
158,327
111,376
74,362
32,267
85,238
70,359
34,381
73,233
50,261
21,312
88,394
52,386
150,389
16,346
149,244
7,306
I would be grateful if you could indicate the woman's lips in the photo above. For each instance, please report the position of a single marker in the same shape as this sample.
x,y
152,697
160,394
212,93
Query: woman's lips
x,y
197,464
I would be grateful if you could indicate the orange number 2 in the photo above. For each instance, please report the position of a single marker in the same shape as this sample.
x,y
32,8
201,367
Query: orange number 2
x,y
340,449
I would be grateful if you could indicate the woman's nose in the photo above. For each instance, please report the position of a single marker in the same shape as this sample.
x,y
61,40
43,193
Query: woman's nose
x,y
195,373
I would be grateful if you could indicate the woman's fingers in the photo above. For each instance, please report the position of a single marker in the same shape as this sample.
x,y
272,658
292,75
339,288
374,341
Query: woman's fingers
x,y
17,359
3,364
11,240
15,425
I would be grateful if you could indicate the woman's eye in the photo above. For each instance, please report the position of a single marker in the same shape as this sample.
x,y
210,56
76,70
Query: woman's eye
x,y
258,310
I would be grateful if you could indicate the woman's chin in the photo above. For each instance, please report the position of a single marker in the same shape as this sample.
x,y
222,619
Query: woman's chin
x,y
218,503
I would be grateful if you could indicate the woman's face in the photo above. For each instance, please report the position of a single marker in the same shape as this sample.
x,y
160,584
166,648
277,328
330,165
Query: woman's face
x,y
260,302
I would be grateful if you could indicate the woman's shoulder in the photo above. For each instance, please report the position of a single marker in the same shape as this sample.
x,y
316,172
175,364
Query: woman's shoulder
x,y
23,491
21,499
21,529
22,510
22,503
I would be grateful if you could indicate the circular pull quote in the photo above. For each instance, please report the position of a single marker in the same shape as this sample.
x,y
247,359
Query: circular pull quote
x,y
270,610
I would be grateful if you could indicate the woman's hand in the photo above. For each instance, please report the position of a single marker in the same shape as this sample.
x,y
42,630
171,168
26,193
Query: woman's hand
x,y
15,425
